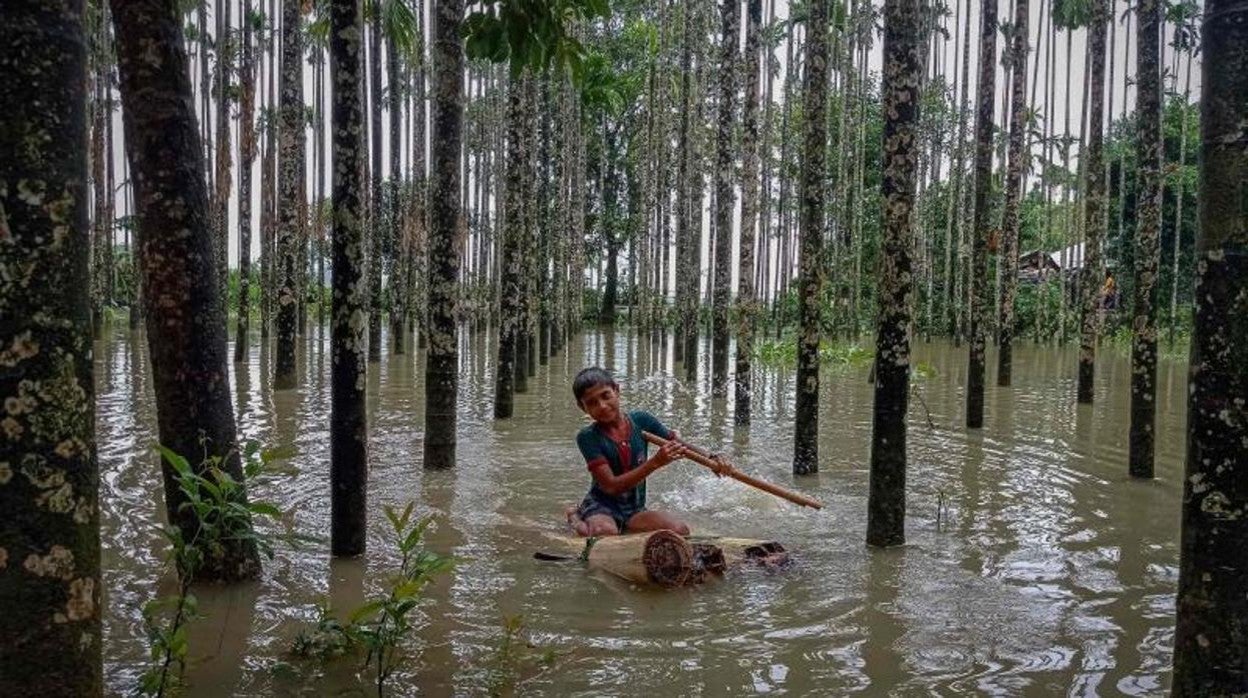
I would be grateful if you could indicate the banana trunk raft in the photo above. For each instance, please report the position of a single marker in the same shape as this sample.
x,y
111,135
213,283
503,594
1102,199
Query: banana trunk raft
x,y
666,559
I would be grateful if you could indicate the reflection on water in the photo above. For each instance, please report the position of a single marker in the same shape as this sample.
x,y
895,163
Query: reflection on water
x,y
1053,572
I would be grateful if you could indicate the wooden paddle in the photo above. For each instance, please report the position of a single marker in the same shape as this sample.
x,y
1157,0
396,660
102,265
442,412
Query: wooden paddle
x,y
721,467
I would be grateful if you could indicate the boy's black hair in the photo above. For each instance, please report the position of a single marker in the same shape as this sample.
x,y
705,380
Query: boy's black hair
x,y
589,378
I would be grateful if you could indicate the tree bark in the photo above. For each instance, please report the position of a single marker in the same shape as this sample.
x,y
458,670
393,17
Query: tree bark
x,y
1095,207
442,358
746,301
810,284
246,156
1211,636
982,224
290,184
1147,248
725,198
375,218
185,311
886,502
348,429
1015,168
50,639
509,242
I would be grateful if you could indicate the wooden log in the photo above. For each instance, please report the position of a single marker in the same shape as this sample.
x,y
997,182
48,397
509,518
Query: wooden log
x,y
665,559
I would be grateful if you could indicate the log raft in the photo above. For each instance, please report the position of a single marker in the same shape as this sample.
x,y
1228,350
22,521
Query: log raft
x,y
665,559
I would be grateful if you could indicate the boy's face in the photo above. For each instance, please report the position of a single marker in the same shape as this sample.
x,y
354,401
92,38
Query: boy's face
x,y
602,403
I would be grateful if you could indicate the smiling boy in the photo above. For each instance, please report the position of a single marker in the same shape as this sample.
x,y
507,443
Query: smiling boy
x,y
615,454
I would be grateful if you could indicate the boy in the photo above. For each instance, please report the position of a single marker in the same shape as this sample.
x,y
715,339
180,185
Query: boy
x,y
615,453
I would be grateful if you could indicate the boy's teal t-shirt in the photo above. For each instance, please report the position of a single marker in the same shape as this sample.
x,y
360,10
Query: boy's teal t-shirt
x,y
622,456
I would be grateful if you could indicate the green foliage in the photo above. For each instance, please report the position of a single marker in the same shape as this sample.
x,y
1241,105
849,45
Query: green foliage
x,y
515,657
381,625
224,514
838,355
531,33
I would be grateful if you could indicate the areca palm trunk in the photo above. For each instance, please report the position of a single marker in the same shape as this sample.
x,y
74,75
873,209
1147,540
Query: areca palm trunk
x,y
398,303
290,193
51,638
186,326
1149,146
511,261
1013,193
982,226
1179,190
442,358
222,182
810,291
685,252
950,304
246,157
749,216
886,503
1094,221
376,220
348,429
725,198
1211,639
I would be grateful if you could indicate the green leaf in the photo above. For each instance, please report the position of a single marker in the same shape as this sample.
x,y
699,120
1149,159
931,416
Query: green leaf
x,y
365,611
264,509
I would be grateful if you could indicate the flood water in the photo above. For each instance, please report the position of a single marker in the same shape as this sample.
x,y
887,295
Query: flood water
x,y
1051,572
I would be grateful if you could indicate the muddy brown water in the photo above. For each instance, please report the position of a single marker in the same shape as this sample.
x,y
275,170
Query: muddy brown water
x,y
1051,571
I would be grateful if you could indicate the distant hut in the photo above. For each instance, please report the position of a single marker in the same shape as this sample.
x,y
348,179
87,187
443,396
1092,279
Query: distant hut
x,y
1037,265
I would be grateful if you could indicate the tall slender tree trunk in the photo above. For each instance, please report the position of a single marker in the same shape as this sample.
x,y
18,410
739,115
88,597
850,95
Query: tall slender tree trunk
x,y
398,304
348,428
746,303
1179,190
222,183
1013,194
982,227
510,241
886,503
953,276
375,218
442,358
1094,220
186,329
1211,637
99,183
290,185
685,250
725,198
51,637
810,290
1147,256
246,158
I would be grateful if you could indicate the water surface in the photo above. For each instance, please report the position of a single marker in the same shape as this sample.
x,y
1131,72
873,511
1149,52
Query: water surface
x,y
1050,571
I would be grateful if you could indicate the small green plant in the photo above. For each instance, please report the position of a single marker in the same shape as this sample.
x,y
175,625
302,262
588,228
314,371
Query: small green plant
x,y
515,657
219,504
381,625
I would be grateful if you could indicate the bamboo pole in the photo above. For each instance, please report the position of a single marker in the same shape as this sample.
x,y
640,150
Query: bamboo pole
x,y
721,467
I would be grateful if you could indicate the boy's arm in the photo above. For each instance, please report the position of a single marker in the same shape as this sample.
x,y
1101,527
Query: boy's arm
x,y
616,485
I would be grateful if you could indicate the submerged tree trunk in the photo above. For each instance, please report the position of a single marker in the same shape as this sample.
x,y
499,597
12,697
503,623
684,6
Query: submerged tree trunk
x,y
246,157
442,359
185,311
1017,165
511,264
50,640
1095,206
1147,250
886,503
982,226
1211,637
810,283
725,199
290,194
375,200
746,303
348,428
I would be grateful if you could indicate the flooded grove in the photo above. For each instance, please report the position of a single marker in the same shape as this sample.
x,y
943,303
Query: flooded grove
x,y
1049,571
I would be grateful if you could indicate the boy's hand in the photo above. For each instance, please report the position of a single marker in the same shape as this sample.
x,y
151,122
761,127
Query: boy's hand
x,y
669,452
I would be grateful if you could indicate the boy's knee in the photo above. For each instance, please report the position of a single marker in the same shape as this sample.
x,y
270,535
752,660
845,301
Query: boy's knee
x,y
603,528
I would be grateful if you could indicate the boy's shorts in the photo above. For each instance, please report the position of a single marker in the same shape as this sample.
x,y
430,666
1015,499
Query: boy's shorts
x,y
593,506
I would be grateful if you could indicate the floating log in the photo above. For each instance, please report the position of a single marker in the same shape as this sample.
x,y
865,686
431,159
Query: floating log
x,y
665,559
